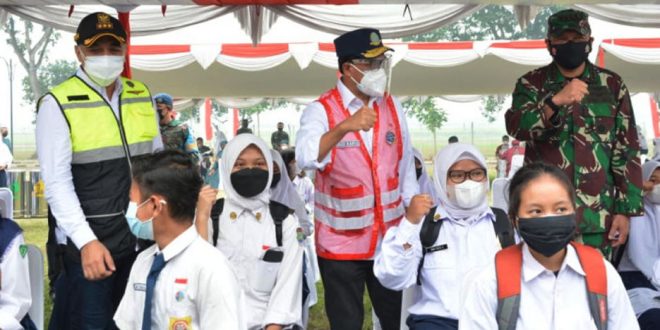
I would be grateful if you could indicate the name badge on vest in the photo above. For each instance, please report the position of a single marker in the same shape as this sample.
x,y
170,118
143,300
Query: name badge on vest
x,y
348,144
139,287
390,137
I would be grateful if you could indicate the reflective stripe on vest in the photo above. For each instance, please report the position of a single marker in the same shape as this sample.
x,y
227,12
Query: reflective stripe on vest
x,y
508,268
96,133
357,222
355,204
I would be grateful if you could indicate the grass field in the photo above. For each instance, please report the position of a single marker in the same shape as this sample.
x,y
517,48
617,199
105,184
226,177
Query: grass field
x,y
36,232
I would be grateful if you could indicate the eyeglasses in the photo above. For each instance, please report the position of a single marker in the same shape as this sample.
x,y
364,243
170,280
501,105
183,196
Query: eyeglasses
x,y
372,64
478,174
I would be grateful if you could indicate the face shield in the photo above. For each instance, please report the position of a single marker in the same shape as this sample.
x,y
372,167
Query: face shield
x,y
376,75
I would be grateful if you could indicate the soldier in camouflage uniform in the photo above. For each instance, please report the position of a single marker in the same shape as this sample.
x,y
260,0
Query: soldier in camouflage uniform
x,y
579,117
175,134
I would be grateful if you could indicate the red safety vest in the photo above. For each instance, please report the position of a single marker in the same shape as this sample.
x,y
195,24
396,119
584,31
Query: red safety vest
x,y
357,196
508,267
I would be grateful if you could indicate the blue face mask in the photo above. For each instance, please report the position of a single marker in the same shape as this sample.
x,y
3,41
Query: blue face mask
x,y
140,228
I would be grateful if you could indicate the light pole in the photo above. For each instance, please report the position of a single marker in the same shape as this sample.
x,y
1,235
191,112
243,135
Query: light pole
x,y
10,73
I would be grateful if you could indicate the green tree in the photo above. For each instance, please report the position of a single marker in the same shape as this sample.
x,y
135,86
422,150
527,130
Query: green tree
x,y
48,77
425,110
31,54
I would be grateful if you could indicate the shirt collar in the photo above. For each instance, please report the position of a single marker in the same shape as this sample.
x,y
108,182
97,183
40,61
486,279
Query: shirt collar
x,y
238,211
532,268
82,75
347,97
179,244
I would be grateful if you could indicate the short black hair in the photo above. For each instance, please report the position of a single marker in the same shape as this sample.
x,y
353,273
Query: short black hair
x,y
453,139
505,137
530,172
288,155
343,60
173,175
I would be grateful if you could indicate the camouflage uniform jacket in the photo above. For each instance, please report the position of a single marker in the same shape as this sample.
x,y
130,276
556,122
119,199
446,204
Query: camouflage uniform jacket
x,y
177,136
595,143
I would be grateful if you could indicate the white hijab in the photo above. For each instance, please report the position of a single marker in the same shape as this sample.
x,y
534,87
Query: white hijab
x,y
285,192
447,157
229,156
643,246
425,182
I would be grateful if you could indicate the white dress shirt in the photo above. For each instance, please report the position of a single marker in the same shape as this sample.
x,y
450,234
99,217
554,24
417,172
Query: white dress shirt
x,y
305,189
15,295
55,153
197,287
314,123
244,239
548,301
471,244
5,156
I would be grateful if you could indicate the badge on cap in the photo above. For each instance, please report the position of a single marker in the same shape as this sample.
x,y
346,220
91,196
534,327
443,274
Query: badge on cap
x,y
103,21
390,137
375,39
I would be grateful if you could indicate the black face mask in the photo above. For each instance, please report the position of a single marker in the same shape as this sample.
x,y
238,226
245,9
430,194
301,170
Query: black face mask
x,y
547,235
276,179
571,54
249,182
418,172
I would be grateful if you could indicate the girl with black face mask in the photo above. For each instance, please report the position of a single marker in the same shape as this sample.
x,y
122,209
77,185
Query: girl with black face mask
x,y
548,281
269,273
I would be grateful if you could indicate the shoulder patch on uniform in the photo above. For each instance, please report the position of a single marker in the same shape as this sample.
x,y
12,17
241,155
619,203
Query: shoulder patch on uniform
x,y
136,92
23,250
78,97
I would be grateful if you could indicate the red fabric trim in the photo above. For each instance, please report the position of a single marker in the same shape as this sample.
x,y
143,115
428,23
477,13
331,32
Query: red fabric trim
x,y
124,19
327,47
524,44
636,42
397,125
331,124
207,119
159,49
508,268
247,50
441,45
392,183
654,117
348,192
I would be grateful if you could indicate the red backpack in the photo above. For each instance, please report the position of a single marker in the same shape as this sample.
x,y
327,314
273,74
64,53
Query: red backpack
x,y
508,267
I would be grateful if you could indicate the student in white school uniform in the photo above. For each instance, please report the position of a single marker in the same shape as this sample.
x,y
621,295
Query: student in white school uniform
x,y
466,240
266,255
640,264
425,181
303,184
173,284
15,294
547,282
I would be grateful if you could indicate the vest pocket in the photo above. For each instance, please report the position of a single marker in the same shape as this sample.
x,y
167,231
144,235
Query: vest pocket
x,y
348,192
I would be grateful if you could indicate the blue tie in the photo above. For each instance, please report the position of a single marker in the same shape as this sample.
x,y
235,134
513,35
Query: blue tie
x,y
156,267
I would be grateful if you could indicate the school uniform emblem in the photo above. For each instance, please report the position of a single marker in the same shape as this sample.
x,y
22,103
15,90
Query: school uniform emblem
x,y
390,137
179,296
180,323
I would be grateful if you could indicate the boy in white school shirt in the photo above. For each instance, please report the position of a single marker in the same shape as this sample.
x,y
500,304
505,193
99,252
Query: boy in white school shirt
x,y
172,284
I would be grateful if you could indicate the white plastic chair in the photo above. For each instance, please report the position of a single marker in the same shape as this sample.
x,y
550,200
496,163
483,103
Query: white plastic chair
x,y
36,270
6,203
500,193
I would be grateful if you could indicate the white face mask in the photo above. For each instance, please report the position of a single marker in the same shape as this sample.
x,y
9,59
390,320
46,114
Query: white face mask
x,y
468,194
373,82
103,70
654,195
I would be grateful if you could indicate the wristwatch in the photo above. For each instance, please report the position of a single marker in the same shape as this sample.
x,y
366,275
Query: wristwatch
x,y
548,101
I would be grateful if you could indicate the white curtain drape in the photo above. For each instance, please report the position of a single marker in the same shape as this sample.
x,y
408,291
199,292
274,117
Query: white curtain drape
x,y
145,20
631,15
389,19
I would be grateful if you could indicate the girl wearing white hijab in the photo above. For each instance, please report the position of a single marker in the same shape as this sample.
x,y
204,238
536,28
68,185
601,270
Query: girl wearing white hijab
x,y
466,240
423,178
270,275
640,263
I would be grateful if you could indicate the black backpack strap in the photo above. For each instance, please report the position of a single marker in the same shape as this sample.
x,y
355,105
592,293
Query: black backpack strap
x,y
216,211
427,236
503,228
278,212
